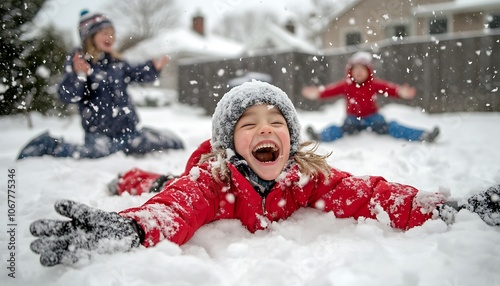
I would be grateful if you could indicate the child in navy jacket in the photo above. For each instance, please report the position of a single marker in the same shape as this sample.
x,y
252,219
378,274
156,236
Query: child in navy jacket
x,y
96,80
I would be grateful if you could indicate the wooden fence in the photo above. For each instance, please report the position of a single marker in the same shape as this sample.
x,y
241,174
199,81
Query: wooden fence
x,y
450,74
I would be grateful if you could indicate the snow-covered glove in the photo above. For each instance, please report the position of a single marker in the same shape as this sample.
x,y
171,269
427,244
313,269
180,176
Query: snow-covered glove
x,y
89,231
486,204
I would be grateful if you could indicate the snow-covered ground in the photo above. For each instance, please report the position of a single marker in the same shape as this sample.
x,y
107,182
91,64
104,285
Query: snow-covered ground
x,y
310,248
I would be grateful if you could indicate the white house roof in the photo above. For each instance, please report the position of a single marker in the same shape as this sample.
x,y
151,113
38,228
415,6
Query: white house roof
x,y
184,43
277,39
457,6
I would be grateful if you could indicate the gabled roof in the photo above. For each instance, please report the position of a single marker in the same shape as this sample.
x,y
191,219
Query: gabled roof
x,y
276,38
457,6
344,10
184,43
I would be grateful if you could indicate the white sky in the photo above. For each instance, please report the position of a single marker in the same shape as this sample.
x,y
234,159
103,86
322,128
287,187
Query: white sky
x,y
64,14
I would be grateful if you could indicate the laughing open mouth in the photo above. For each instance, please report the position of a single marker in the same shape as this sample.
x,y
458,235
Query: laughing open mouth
x,y
267,152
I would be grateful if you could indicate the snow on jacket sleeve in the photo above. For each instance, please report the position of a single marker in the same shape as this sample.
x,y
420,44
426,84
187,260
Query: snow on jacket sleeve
x,y
180,209
398,205
384,87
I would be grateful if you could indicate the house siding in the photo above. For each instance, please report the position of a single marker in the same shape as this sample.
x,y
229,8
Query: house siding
x,y
372,17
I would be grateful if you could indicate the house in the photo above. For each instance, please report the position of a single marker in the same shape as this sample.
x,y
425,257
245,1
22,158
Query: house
x,y
370,21
276,39
183,44
457,16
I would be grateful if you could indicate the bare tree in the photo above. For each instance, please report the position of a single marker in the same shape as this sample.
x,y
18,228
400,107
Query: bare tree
x,y
142,19
241,26
317,20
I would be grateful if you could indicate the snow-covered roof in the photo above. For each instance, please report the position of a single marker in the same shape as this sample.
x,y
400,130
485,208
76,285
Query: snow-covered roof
x,y
184,43
457,6
279,39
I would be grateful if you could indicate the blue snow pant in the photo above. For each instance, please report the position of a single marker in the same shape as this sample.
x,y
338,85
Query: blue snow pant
x,y
375,123
99,145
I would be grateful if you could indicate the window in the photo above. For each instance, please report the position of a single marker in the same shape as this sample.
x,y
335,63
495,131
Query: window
x,y
438,26
397,31
494,21
352,39
400,31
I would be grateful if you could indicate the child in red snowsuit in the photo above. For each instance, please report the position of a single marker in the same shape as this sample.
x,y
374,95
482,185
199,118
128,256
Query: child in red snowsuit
x,y
361,89
253,169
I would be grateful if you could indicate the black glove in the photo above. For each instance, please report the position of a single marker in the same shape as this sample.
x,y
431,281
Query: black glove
x,y
112,186
485,204
89,231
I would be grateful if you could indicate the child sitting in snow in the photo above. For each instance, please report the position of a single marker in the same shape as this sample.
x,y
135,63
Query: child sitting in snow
x,y
360,89
96,79
253,169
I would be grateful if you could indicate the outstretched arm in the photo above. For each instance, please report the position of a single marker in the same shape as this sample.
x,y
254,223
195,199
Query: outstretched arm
x,y
398,205
316,92
179,210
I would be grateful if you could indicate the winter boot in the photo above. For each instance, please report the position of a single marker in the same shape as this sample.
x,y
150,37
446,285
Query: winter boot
x,y
430,137
112,186
39,146
312,135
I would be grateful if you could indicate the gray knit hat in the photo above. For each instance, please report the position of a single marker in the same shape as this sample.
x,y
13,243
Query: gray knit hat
x,y
234,103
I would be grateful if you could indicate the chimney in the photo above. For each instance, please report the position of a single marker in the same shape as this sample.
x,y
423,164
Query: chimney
x,y
290,27
198,24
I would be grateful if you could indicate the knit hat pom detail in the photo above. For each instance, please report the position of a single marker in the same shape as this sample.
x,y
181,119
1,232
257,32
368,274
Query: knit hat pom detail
x,y
84,12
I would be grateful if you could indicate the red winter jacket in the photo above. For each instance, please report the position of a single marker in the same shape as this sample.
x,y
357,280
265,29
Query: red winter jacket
x,y
196,198
360,98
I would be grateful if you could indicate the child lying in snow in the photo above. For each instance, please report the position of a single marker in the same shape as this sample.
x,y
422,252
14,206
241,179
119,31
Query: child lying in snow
x,y
254,170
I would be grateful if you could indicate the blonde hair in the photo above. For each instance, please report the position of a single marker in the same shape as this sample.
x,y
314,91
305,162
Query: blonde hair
x,y
308,161
91,51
